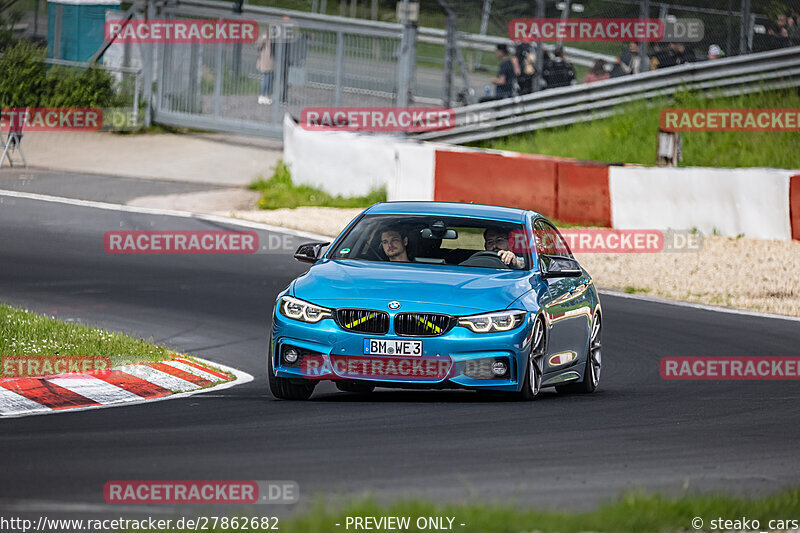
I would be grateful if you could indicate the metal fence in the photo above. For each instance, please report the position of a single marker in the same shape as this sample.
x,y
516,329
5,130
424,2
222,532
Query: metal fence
x,y
335,61
775,69
216,86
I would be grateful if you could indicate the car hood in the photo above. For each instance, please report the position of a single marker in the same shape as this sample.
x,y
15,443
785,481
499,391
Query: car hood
x,y
418,287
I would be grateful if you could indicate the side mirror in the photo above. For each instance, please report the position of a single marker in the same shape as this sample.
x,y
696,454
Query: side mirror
x,y
310,252
562,267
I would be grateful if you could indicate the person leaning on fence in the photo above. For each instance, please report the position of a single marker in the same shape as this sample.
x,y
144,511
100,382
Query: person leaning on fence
x,y
662,56
628,62
504,82
265,65
598,72
524,67
682,53
558,72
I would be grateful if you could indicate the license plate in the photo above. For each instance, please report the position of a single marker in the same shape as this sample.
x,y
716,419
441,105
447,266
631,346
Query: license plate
x,y
392,347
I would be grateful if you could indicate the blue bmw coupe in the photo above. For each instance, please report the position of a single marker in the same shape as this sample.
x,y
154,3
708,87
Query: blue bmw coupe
x,y
438,295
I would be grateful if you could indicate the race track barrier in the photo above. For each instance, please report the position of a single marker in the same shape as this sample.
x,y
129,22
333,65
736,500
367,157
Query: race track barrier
x,y
757,202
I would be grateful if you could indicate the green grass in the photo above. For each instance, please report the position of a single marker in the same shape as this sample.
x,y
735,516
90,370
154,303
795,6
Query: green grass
x,y
279,192
630,137
633,512
633,290
31,334
160,129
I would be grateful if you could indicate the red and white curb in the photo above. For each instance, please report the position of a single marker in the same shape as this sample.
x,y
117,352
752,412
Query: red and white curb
x,y
122,385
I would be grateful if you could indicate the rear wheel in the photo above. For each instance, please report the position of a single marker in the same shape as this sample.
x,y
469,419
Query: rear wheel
x,y
287,389
532,382
355,386
594,363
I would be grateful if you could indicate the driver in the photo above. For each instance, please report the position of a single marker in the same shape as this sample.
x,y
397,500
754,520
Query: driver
x,y
496,240
394,242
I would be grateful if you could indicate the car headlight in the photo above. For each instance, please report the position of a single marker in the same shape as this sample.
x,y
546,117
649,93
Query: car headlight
x,y
498,321
303,311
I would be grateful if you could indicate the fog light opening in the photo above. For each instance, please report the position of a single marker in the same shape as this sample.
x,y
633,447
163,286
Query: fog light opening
x,y
290,355
499,368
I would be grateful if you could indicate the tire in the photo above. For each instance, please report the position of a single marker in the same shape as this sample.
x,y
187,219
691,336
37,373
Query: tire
x,y
594,363
355,386
532,382
285,389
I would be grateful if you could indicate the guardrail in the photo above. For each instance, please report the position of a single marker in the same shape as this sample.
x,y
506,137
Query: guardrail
x,y
378,29
775,69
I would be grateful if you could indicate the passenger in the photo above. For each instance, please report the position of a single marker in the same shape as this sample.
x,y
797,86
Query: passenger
x,y
496,240
394,243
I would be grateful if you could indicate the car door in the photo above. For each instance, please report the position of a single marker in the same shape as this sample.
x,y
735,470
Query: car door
x,y
568,309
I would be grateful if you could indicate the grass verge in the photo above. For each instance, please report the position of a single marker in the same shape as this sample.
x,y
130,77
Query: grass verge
x,y
633,512
32,334
280,192
630,137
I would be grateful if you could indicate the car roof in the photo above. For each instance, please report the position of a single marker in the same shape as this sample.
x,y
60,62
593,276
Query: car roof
x,y
491,212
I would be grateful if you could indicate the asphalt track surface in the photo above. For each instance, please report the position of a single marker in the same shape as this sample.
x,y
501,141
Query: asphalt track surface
x,y
636,431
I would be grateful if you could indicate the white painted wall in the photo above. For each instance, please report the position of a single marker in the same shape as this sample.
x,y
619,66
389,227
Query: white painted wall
x,y
353,164
753,201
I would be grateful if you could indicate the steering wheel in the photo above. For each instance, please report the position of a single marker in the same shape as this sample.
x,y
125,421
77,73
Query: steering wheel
x,y
485,258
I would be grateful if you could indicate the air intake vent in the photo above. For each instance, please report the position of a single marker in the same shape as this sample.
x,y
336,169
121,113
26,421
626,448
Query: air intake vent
x,y
363,320
422,324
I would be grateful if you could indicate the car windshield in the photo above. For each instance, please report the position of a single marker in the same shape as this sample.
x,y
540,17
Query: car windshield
x,y
438,240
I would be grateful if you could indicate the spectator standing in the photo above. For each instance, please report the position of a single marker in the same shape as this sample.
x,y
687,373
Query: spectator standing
x,y
662,56
793,29
779,32
628,62
504,82
523,62
598,72
558,72
265,65
714,52
682,54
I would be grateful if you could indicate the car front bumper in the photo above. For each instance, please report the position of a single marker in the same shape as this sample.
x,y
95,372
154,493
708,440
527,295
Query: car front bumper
x,y
459,358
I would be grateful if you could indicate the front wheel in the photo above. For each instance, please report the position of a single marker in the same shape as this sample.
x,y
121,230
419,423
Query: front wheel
x,y
287,389
532,382
594,363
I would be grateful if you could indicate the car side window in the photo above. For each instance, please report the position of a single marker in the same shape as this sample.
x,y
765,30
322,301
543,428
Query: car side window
x,y
548,240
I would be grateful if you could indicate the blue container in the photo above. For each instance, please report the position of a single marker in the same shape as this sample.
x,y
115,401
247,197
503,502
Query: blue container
x,y
81,29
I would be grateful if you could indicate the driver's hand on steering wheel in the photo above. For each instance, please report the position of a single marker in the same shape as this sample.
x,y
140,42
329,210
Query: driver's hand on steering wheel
x,y
509,258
